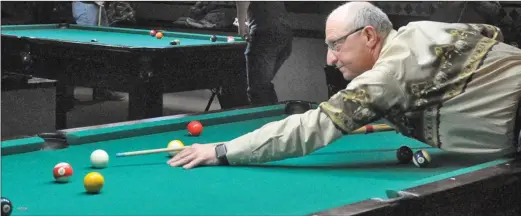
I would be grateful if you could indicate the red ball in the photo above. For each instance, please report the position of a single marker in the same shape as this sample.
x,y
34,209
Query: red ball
x,y
62,172
153,33
195,128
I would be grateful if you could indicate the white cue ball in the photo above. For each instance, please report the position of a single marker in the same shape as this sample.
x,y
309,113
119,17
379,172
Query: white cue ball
x,y
99,159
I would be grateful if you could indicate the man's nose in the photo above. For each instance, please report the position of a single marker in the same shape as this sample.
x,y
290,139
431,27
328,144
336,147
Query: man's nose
x,y
331,58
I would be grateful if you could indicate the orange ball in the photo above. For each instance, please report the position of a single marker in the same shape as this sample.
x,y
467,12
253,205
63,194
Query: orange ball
x,y
195,128
159,35
93,182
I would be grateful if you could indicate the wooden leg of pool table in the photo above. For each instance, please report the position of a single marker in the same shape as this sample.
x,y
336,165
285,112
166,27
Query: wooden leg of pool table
x,y
145,101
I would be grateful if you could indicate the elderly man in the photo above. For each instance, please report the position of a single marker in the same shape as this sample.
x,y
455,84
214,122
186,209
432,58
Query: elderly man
x,y
452,86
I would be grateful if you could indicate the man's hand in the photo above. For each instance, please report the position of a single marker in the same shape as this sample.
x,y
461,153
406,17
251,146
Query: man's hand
x,y
194,156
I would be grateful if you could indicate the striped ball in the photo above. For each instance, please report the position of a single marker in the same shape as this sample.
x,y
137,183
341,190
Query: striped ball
x,y
421,158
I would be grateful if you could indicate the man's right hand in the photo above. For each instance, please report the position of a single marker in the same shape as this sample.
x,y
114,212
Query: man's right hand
x,y
194,156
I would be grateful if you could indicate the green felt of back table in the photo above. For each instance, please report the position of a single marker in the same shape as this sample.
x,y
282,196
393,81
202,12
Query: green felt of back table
x,y
127,60
357,171
111,36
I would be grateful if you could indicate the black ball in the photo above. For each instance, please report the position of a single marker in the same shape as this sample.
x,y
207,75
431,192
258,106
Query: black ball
x,y
93,40
7,207
213,38
173,42
404,154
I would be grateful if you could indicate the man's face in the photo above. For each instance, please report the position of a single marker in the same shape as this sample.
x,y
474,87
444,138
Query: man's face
x,y
349,51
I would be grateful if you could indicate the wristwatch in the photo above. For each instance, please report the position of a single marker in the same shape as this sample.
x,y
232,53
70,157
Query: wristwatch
x,y
220,151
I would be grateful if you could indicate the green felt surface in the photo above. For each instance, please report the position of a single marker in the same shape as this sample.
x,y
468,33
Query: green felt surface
x,y
23,141
352,169
159,125
111,36
22,145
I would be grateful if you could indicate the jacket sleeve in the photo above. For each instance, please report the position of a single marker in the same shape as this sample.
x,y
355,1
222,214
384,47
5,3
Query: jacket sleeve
x,y
364,101
294,136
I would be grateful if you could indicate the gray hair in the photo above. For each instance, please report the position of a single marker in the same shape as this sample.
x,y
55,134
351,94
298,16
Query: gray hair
x,y
361,14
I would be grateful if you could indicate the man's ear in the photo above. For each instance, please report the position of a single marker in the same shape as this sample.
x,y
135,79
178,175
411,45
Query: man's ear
x,y
371,36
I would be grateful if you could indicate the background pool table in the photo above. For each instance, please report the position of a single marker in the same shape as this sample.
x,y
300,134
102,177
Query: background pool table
x,y
127,60
355,175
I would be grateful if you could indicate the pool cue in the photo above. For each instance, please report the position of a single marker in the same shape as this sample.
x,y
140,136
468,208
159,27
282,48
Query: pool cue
x,y
99,15
153,151
363,130
150,151
372,129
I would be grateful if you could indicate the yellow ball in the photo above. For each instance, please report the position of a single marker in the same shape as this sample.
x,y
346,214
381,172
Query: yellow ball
x,y
93,182
175,144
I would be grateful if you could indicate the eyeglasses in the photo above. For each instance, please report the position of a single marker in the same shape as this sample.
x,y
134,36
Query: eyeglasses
x,y
334,46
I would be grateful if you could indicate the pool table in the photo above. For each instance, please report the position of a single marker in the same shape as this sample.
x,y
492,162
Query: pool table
x,y
127,60
356,175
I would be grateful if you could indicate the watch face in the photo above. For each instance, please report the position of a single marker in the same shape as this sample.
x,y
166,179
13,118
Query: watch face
x,y
220,150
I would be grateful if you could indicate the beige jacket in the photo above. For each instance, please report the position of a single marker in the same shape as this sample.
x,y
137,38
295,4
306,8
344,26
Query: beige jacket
x,y
451,86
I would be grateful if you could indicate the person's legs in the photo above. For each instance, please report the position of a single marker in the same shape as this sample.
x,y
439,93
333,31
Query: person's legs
x,y
88,14
284,53
260,73
265,54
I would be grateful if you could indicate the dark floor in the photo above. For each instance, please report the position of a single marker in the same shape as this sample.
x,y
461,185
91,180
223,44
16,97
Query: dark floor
x,y
24,111
87,113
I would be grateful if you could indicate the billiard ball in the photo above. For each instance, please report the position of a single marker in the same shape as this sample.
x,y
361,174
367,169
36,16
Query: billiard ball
x,y
7,207
231,39
404,154
195,128
99,159
177,42
421,158
153,33
62,172
213,38
175,144
173,42
93,40
93,182
159,35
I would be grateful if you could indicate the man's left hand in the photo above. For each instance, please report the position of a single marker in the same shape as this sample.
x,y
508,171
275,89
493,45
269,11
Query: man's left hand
x,y
194,156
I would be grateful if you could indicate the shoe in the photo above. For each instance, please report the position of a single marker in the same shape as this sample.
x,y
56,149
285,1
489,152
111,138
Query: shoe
x,y
207,24
104,94
194,23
